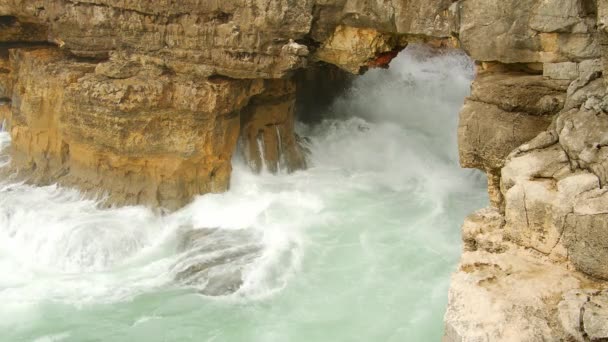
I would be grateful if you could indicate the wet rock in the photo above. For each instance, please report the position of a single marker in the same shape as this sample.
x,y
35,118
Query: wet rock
x,y
140,136
213,260
5,116
13,29
267,130
6,81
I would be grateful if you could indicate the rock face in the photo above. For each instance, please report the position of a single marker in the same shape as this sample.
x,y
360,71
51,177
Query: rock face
x,y
505,292
165,137
537,126
268,129
147,102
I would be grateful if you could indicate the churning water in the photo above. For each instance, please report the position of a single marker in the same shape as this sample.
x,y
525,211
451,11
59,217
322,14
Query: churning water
x,y
359,247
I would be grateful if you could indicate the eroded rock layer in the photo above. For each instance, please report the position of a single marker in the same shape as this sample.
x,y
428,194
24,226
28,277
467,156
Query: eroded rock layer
x,y
536,259
147,102
141,133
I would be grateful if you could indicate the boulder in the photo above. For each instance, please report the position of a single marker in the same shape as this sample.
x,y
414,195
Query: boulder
x,y
213,260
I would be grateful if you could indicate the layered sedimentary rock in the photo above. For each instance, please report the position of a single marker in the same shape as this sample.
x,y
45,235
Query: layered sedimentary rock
x,y
136,131
506,292
535,260
147,102
267,129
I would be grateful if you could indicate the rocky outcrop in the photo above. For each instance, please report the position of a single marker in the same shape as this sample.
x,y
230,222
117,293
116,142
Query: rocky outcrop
x,y
506,109
505,292
529,31
355,49
152,57
205,254
147,102
129,128
557,179
539,254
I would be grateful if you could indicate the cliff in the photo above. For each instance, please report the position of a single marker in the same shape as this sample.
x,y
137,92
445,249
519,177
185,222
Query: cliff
x,y
147,102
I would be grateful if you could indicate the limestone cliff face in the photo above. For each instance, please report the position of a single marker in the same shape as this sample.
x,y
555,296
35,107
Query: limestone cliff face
x,y
140,133
147,102
534,265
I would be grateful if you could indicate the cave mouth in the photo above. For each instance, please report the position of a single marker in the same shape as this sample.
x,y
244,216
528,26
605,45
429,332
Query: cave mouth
x,y
7,21
421,91
322,86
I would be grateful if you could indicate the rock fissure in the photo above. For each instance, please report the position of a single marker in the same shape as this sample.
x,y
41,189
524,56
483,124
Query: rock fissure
x,y
526,209
582,320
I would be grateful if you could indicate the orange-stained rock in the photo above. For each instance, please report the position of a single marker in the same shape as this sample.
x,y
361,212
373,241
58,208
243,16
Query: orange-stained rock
x,y
354,49
267,129
151,138
5,115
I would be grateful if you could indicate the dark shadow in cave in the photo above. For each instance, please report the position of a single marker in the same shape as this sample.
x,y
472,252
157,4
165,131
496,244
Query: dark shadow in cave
x,y
322,86
317,88
7,20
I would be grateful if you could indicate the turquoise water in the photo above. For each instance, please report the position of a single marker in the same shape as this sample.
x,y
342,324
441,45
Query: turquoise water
x,y
359,247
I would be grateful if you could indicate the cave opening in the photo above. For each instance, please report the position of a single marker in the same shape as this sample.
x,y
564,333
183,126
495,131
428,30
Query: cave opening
x,y
322,87
7,20
317,88
421,90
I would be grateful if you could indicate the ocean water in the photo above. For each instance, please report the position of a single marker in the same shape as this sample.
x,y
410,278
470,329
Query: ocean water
x,y
359,247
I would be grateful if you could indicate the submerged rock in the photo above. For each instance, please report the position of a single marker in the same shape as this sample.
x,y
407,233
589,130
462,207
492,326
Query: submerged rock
x,y
213,260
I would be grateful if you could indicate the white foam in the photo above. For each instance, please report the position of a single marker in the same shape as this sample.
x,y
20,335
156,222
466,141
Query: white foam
x,y
54,337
